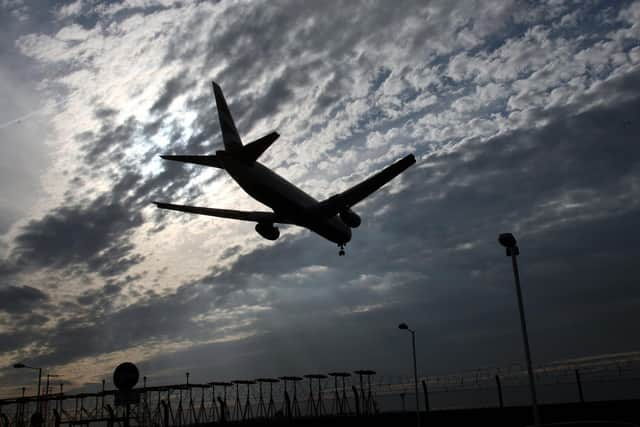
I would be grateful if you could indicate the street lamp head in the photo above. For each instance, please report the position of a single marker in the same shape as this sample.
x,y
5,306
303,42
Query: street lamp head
x,y
19,365
507,240
403,326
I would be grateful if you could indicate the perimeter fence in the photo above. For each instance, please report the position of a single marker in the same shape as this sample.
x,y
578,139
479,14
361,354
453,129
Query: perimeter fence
x,y
361,393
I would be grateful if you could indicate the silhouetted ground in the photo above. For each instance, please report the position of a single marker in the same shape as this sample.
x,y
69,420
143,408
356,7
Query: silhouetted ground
x,y
621,411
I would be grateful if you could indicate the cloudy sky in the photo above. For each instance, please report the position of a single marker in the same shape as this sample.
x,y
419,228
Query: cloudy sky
x,y
523,117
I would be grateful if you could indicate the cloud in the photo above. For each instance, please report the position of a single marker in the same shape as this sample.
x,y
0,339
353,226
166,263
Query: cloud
x,y
70,10
23,153
172,89
110,145
18,299
93,236
522,121
17,9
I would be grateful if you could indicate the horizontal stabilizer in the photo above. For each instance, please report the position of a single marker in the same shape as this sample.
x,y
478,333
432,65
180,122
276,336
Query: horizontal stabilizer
x,y
230,136
335,204
253,150
199,160
255,216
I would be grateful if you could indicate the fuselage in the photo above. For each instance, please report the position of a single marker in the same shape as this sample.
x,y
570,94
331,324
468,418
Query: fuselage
x,y
289,202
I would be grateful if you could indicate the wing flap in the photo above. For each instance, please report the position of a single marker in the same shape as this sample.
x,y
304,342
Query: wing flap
x,y
254,216
359,192
212,160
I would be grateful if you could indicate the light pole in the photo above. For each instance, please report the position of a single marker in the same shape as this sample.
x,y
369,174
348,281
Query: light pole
x,y
509,242
404,326
22,365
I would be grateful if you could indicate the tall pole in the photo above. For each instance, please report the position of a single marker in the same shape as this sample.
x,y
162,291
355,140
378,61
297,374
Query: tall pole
x,y
39,383
580,394
46,394
101,397
59,404
415,376
513,252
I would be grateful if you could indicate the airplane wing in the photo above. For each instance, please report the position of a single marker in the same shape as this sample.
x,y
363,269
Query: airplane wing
x,y
200,160
254,216
359,192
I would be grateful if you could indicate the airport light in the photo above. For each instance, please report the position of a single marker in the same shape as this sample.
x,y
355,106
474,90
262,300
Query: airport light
x,y
405,327
23,366
509,242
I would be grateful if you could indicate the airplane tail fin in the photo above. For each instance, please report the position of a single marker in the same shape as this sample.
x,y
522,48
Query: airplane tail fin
x,y
230,136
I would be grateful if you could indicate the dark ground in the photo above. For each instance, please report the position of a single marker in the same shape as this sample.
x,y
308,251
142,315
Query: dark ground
x,y
621,411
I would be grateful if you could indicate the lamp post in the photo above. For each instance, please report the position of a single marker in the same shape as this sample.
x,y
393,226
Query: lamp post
x,y
21,366
509,242
404,326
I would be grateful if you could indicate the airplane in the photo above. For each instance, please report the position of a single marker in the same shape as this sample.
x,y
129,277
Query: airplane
x,y
332,218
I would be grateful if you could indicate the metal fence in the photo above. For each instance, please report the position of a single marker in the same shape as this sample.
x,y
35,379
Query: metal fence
x,y
495,387
338,393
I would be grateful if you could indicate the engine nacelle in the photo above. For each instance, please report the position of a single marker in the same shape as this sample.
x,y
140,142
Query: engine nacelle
x,y
350,218
268,231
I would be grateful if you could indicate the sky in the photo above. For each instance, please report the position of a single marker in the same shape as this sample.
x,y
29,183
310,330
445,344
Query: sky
x,y
522,115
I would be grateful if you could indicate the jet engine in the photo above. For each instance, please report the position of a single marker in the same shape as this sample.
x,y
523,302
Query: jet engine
x,y
268,231
350,218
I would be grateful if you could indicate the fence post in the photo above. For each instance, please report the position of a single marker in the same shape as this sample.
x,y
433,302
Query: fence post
x,y
112,416
223,410
165,413
287,403
499,384
579,382
357,400
426,396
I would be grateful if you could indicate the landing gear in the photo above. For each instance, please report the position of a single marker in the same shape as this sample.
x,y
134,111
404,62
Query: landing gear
x,y
341,253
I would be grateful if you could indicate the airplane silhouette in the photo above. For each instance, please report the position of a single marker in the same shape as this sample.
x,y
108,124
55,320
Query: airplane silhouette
x,y
332,218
